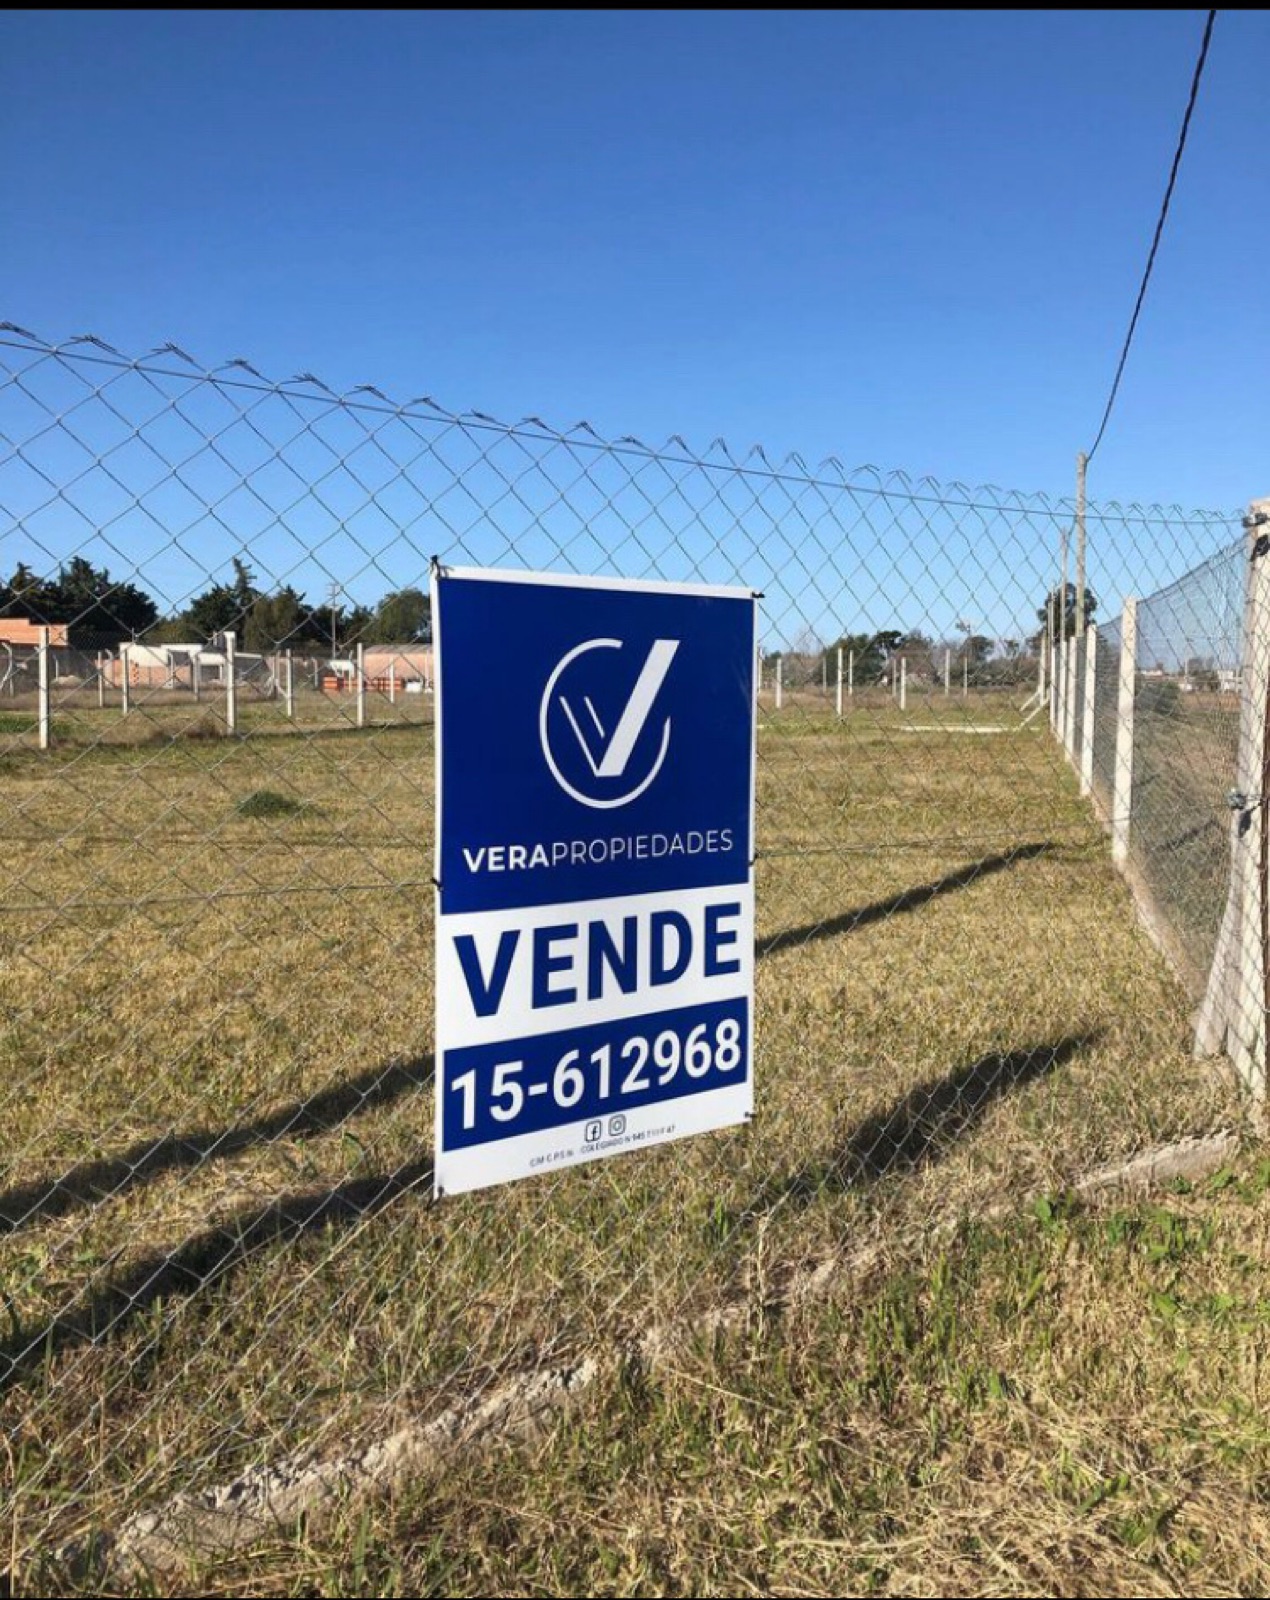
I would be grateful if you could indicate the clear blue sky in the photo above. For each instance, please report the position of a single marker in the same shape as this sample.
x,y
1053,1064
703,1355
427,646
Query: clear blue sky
x,y
909,239
906,239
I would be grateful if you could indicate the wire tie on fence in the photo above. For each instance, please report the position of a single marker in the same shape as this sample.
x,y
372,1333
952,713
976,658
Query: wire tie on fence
x,y
1238,801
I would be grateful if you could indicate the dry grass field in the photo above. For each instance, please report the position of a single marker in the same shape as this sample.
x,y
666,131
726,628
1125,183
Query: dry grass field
x,y
218,1244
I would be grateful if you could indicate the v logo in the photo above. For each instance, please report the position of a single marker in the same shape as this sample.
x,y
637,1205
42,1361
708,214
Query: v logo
x,y
613,760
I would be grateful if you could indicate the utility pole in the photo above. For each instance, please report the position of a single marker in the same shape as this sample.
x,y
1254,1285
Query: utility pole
x,y
1082,462
333,592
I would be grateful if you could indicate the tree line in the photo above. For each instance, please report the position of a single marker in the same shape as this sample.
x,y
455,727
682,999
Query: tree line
x,y
1003,660
102,612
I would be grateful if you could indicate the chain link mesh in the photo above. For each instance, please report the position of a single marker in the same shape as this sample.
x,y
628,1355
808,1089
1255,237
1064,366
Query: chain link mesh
x,y
1185,741
217,1243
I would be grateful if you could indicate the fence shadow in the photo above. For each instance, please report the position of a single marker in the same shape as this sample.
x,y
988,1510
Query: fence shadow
x,y
922,1127
907,900
204,1260
101,1179
106,1177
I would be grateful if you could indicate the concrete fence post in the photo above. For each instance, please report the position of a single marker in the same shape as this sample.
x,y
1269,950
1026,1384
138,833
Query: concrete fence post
x,y
1122,786
46,709
1069,698
1235,1000
231,684
1090,647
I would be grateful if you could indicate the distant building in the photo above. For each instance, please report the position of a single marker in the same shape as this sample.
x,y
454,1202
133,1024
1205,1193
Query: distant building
x,y
19,630
406,662
388,668
174,666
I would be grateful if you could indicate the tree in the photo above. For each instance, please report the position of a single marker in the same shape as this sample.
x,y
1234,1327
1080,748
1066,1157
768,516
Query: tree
x,y
27,595
1054,626
275,621
224,606
355,624
918,650
98,609
167,630
872,651
888,642
403,616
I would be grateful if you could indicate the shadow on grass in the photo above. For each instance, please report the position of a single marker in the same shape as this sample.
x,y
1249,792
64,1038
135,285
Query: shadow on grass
x,y
92,1182
907,900
202,1262
922,1127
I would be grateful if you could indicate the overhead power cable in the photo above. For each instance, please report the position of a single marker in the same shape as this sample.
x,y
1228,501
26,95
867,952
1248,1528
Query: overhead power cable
x,y
1159,230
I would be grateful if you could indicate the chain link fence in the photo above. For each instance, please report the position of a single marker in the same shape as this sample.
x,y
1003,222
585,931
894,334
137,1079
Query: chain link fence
x,y
218,1248
1186,738
1173,728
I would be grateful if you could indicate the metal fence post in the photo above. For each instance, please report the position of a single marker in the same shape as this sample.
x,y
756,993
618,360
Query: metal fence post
x,y
361,686
125,678
289,688
838,702
780,677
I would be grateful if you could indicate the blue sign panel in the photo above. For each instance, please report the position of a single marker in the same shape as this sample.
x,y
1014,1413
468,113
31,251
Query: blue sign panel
x,y
594,868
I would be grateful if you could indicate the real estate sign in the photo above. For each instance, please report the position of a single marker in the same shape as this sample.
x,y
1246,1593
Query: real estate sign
x,y
595,890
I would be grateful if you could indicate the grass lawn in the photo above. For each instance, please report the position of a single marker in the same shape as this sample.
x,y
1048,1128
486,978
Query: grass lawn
x,y
217,1239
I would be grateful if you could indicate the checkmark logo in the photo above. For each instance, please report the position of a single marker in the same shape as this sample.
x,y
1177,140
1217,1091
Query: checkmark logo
x,y
607,757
